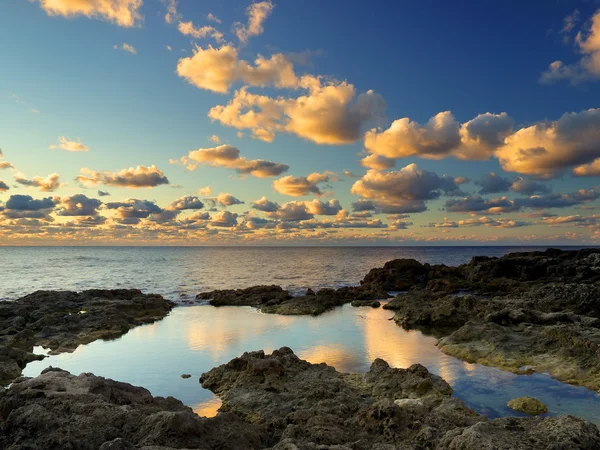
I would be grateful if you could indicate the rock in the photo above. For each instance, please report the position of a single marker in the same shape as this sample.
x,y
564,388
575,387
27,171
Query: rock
x,y
186,375
275,300
309,291
63,320
528,405
276,402
371,303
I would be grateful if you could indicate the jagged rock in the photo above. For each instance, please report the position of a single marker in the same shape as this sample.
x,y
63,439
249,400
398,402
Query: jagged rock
x,y
369,303
275,300
528,405
63,320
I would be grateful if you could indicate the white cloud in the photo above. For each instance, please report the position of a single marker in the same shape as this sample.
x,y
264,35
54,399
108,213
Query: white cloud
x,y
70,146
121,12
126,48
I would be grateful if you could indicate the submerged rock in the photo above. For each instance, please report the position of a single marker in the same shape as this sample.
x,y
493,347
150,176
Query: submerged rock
x,y
63,320
528,405
277,402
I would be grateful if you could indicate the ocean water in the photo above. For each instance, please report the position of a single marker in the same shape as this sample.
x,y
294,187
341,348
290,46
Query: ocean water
x,y
193,339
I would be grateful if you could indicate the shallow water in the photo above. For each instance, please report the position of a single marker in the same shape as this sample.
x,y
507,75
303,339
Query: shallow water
x,y
196,338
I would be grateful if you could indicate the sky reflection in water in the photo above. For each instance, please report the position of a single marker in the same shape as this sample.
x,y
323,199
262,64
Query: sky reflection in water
x,y
194,339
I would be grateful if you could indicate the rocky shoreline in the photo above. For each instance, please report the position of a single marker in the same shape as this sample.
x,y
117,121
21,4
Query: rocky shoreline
x,y
523,312
63,320
277,402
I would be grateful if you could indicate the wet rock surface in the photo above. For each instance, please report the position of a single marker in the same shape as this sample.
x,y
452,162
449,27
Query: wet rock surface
x,y
276,300
528,405
537,309
274,402
63,320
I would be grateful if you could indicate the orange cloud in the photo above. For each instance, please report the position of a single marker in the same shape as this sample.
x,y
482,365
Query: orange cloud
x,y
124,13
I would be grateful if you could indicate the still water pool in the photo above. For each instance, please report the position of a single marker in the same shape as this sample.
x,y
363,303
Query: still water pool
x,y
193,339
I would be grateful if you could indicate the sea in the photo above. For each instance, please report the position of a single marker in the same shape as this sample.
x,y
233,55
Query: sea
x,y
196,337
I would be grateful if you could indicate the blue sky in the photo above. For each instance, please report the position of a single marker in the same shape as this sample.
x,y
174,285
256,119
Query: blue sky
x,y
63,77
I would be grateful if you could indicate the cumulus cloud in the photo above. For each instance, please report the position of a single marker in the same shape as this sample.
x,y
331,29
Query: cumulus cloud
x,y
546,149
78,205
189,29
70,146
188,202
26,207
124,13
529,187
3,186
587,44
134,177
492,183
131,211
263,204
377,162
103,193
257,13
224,219
229,157
301,186
227,199
478,205
305,210
44,184
330,113
205,191
405,190
479,221
126,48
440,137
217,69
6,165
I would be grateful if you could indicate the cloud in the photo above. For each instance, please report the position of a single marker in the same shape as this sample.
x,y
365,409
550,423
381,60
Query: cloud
x,y
587,43
224,219
478,205
3,186
330,113
78,205
138,177
227,199
492,183
301,186
103,193
377,162
189,202
529,187
6,165
305,210
70,146
44,184
217,69
205,191
215,139
588,170
189,29
257,13
547,149
405,190
172,15
263,204
132,210
124,13
213,18
440,137
24,206
229,157
480,221
126,48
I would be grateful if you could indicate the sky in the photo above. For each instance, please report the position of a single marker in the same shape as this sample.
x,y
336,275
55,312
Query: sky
x,y
149,122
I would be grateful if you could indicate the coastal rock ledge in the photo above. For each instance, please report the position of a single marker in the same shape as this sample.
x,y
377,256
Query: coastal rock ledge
x,y
276,402
63,320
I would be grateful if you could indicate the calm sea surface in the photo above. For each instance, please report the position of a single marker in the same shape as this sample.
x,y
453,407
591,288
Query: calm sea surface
x,y
193,339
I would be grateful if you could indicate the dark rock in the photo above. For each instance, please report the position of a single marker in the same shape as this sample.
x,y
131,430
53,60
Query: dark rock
x,y
370,303
185,376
